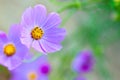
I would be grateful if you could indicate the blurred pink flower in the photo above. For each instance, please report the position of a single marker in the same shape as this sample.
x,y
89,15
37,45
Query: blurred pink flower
x,y
83,62
37,70
12,51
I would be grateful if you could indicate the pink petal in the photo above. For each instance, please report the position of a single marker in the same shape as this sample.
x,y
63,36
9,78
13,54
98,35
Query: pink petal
x,y
27,18
26,37
53,20
3,36
40,13
50,47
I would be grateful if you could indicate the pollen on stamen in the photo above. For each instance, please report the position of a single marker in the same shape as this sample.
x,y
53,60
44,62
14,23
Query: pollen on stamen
x,y
37,33
9,50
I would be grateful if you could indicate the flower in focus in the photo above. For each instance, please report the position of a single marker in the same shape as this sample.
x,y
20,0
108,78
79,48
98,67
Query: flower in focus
x,y
41,31
12,51
83,62
37,70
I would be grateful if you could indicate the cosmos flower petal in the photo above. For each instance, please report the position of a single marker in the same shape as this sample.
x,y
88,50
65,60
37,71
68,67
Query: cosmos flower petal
x,y
22,72
10,63
40,13
1,48
5,61
15,62
26,37
54,35
83,62
37,45
22,51
14,33
53,20
3,36
3,58
50,47
16,77
27,18
43,77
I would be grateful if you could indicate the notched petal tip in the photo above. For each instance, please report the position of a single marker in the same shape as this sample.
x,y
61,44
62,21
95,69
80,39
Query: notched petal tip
x,y
55,14
3,36
40,6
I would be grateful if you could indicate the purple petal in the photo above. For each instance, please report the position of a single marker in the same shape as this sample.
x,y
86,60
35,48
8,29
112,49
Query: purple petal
x,y
54,35
83,62
14,33
53,20
15,62
3,37
26,37
5,61
24,69
16,77
40,13
27,18
22,51
37,45
43,77
50,47
3,58
10,62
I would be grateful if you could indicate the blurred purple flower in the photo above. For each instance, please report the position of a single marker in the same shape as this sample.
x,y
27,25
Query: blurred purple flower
x,y
12,51
41,31
80,78
37,70
83,62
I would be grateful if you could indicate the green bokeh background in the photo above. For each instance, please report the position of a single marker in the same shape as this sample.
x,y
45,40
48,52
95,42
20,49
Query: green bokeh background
x,y
90,24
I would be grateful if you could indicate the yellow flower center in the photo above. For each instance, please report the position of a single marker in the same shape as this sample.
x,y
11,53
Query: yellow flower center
x,y
9,50
32,76
37,33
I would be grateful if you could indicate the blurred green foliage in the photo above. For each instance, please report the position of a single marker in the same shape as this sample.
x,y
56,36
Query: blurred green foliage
x,y
97,27
100,30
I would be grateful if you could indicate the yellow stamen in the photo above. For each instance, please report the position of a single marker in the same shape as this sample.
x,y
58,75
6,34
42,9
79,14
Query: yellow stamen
x,y
9,50
37,33
32,76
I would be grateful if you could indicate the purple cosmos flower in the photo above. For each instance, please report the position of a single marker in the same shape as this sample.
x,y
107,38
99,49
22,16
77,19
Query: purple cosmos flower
x,y
83,62
41,31
37,70
12,51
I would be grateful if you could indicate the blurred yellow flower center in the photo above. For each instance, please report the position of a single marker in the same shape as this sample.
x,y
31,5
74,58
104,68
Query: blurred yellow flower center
x,y
37,33
32,76
9,50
